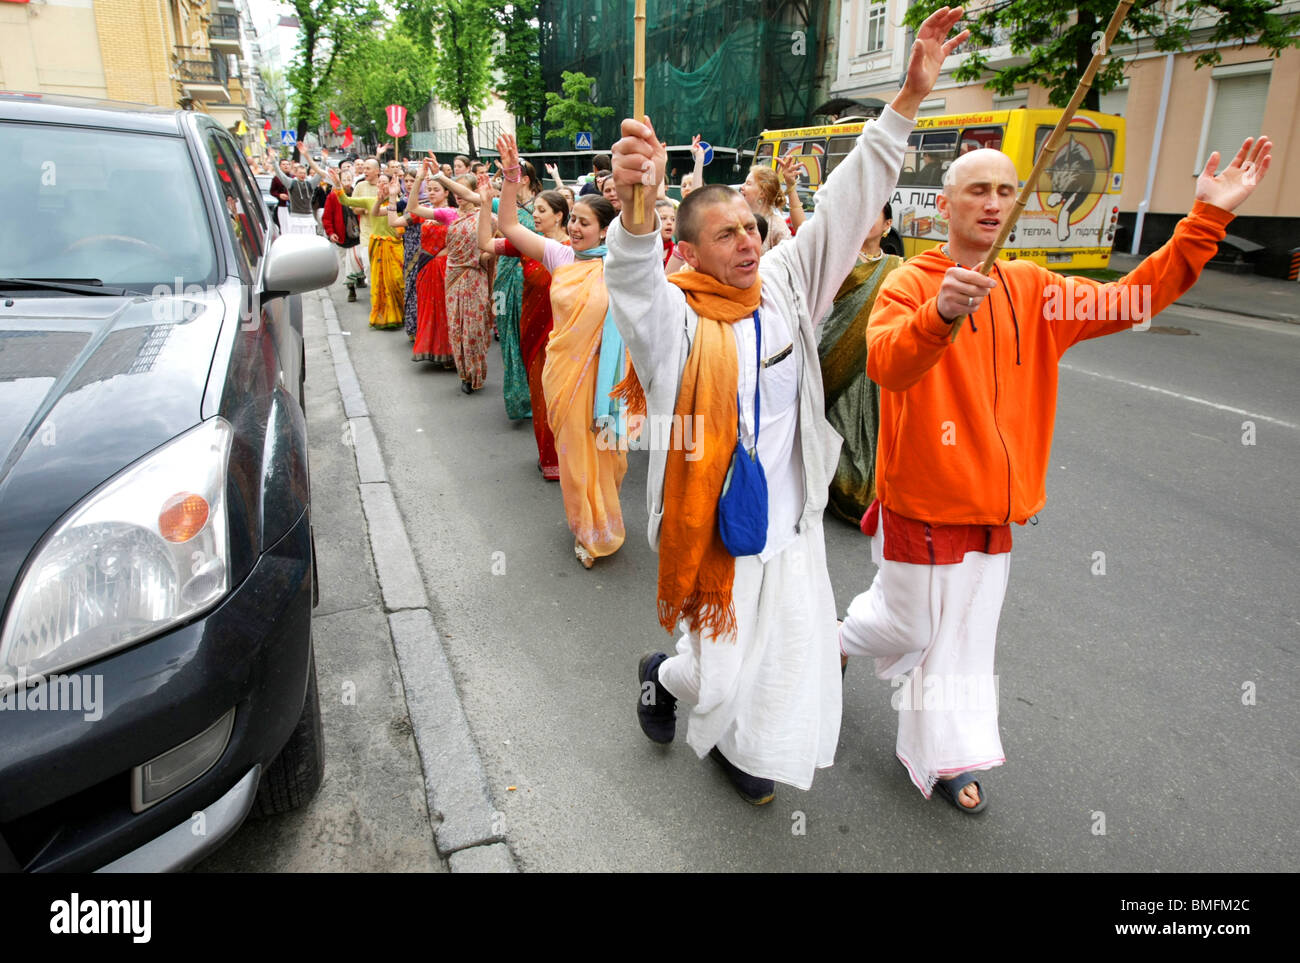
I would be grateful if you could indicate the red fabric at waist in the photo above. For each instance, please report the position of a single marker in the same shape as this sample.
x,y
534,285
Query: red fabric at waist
x,y
923,543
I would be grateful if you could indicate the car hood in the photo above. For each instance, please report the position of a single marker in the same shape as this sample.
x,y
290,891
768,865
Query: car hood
x,y
87,386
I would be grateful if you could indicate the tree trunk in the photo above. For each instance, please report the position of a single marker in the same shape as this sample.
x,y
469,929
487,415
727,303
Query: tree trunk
x,y
469,129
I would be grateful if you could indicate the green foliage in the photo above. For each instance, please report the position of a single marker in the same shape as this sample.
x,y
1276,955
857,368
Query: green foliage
x,y
1058,41
328,29
519,63
459,35
574,112
384,67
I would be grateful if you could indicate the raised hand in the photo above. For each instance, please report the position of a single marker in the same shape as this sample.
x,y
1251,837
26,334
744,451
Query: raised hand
x,y
485,192
1226,190
553,171
928,54
695,146
789,167
639,157
508,150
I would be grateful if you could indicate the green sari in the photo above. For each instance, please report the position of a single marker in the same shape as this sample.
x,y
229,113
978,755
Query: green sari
x,y
508,300
853,399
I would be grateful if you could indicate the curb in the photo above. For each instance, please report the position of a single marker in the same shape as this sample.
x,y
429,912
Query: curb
x,y
455,782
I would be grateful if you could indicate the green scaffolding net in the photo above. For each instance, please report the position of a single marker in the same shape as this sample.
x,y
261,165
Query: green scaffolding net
x,y
725,69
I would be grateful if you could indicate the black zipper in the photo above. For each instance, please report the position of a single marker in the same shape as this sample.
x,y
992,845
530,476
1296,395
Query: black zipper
x,y
1005,450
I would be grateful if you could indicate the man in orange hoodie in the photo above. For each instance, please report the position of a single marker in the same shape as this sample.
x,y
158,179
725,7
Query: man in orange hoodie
x,y
965,434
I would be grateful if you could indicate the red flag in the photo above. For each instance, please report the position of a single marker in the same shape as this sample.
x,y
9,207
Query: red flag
x,y
334,122
267,127
347,136
396,120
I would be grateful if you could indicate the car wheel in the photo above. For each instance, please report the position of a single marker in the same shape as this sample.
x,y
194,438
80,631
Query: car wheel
x,y
295,775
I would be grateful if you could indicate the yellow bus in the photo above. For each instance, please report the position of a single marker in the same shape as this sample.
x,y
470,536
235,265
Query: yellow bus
x,y
1070,219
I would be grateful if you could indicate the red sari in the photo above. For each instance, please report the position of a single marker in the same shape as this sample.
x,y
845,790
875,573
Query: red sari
x,y
535,322
432,342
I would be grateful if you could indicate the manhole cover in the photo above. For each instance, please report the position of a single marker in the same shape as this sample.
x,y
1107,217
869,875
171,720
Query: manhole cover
x,y
1170,329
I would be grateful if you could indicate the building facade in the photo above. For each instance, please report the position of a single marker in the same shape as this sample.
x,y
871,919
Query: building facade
x,y
167,53
1213,108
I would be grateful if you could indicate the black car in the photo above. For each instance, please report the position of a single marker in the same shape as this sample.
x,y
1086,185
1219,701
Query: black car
x,y
157,680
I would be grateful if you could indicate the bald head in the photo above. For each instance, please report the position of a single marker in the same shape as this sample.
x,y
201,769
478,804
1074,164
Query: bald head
x,y
985,165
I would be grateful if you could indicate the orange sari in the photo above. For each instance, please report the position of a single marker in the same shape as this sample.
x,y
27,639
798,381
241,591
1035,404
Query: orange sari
x,y
591,470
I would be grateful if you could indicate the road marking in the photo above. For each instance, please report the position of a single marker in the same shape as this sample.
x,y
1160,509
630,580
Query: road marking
x,y
1181,396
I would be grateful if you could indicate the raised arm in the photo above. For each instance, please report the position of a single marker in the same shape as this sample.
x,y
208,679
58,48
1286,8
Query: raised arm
x,y
789,168
555,176
486,228
697,172
529,244
648,311
823,253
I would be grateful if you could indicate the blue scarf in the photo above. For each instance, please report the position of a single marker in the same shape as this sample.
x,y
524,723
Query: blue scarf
x,y
607,412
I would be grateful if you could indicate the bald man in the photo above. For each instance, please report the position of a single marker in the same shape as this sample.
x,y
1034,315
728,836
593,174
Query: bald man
x,y
965,434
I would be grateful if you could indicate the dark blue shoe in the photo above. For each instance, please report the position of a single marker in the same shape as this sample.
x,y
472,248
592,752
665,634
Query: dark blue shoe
x,y
656,707
755,791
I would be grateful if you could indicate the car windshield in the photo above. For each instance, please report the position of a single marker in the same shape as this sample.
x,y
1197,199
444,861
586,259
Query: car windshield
x,y
121,207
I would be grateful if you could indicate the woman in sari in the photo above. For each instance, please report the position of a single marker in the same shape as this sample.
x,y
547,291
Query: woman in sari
x,y
469,288
508,292
428,221
386,301
551,220
853,399
410,253
585,360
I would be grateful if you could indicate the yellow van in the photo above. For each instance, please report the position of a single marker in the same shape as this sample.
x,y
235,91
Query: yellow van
x,y
1070,218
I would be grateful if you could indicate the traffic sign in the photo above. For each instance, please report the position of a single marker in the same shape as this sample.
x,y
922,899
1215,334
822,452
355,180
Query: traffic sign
x,y
708,152
287,138
582,140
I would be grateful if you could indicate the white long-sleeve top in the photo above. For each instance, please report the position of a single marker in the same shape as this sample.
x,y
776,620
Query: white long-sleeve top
x,y
800,278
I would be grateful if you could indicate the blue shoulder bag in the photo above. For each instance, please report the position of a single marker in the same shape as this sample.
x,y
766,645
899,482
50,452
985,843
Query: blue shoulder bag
x,y
742,509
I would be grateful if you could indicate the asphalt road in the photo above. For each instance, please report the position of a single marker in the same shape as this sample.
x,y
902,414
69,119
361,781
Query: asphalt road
x,y
1159,696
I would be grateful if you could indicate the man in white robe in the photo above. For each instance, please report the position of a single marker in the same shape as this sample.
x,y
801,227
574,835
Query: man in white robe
x,y
765,696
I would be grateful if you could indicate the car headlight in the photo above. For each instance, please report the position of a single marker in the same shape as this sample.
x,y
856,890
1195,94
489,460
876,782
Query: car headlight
x,y
146,551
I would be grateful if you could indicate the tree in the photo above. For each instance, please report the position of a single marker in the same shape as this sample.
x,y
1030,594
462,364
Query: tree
x,y
1059,41
277,92
384,67
327,30
464,32
519,63
574,112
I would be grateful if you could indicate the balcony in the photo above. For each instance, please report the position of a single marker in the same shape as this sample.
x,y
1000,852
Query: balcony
x,y
203,74
223,32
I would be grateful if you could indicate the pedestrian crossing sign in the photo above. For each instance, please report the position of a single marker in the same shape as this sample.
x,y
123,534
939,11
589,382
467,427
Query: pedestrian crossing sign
x,y
287,138
582,140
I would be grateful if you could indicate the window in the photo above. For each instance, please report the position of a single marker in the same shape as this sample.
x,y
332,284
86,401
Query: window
x,y
928,155
837,148
1011,101
976,138
1115,101
238,223
1234,110
764,155
873,26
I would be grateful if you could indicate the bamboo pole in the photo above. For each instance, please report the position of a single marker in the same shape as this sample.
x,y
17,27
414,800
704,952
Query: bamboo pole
x,y
1053,144
638,100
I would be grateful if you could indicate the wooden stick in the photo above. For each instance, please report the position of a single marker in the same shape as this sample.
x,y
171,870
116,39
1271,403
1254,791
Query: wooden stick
x,y
1053,144
638,100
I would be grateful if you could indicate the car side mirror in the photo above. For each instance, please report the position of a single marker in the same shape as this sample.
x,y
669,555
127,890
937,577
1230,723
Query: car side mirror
x,y
298,263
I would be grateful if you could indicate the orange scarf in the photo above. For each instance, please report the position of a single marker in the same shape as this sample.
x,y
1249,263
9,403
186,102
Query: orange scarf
x,y
696,571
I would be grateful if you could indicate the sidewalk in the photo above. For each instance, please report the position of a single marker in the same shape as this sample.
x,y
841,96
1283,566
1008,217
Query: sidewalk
x,y
468,830
1243,294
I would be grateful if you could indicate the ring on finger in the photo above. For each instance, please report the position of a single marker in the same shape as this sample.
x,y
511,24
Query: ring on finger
x,y
970,302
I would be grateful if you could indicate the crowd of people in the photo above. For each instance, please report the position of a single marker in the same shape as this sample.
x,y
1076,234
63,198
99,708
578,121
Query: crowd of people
x,y
813,367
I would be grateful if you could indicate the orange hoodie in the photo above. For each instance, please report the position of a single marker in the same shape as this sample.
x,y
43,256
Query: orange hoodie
x,y
966,426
